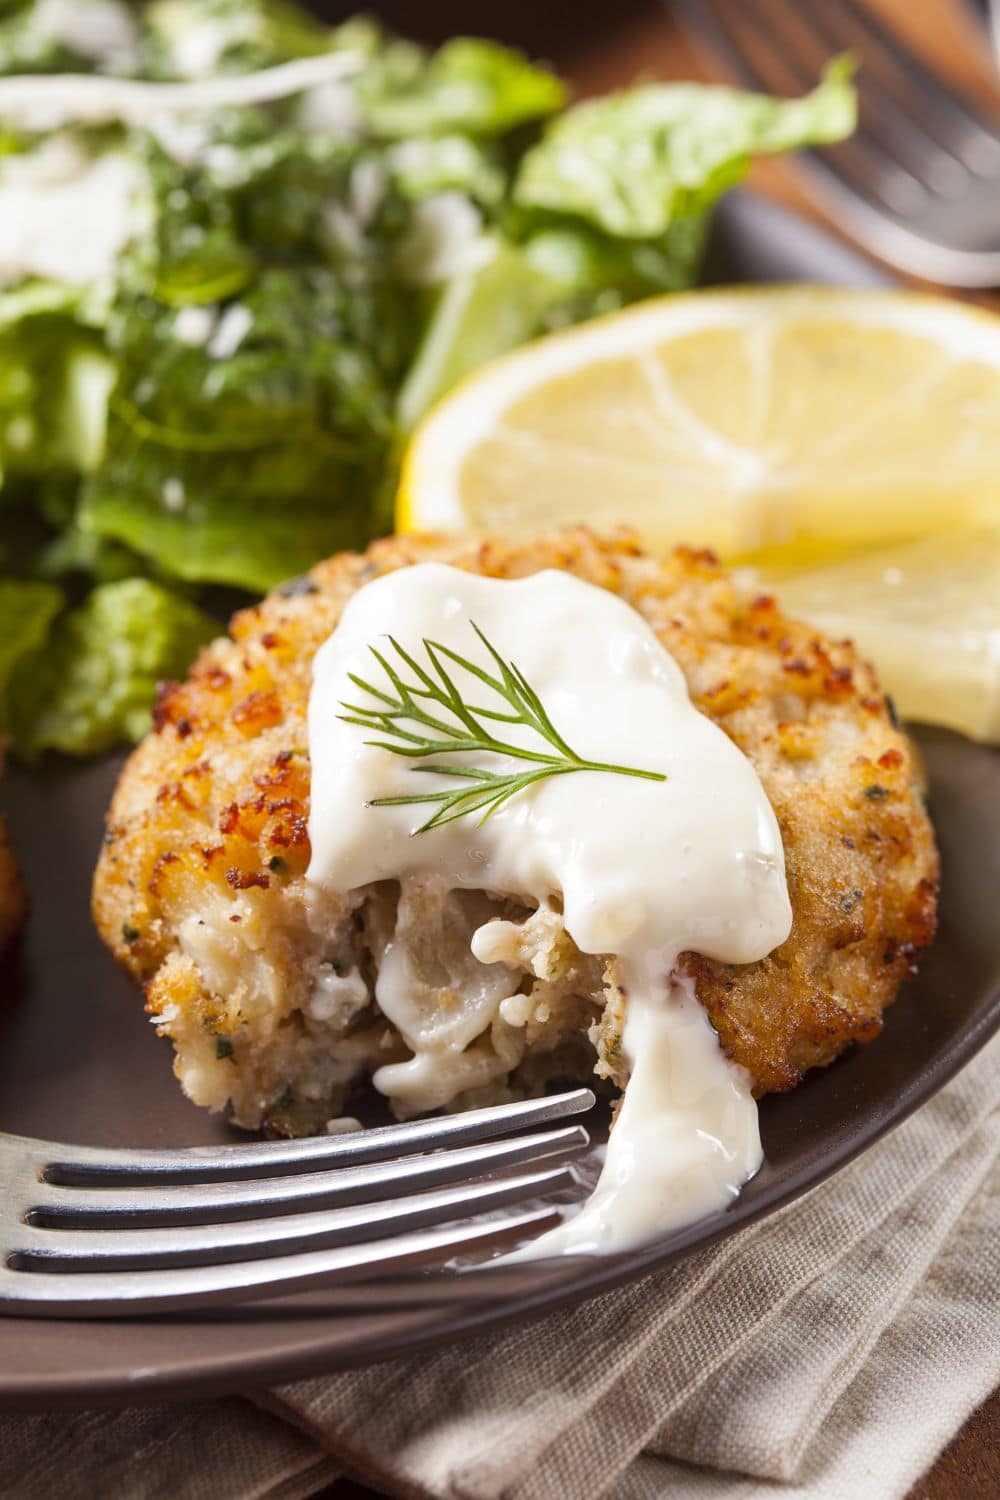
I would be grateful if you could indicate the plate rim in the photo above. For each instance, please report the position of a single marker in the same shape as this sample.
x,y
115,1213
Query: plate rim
x,y
251,1369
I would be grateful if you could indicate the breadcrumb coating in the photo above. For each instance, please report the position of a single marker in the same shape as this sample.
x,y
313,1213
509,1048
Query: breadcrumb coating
x,y
266,987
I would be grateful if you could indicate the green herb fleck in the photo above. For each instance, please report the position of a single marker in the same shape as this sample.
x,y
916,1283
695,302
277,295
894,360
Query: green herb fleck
x,y
466,732
223,1047
277,864
876,792
130,933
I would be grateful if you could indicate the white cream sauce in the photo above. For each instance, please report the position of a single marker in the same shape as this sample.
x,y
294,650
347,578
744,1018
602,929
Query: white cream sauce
x,y
43,101
686,1138
102,31
643,870
65,215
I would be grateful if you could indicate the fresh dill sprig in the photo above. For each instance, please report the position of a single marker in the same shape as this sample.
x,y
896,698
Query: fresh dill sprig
x,y
411,729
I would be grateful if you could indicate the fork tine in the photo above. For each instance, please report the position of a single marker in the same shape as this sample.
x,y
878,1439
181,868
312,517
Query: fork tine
x,y
75,1250
882,161
735,33
812,37
864,171
937,231
957,123
205,1203
930,110
86,1166
106,1293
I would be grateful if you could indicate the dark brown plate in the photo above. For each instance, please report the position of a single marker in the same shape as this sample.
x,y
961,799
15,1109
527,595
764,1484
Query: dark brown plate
x,y
79,1062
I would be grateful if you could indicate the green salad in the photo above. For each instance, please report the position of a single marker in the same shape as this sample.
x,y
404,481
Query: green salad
x,y
240,254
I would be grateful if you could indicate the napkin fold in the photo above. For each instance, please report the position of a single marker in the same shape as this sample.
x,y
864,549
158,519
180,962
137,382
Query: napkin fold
x,y
827,1353
735,1361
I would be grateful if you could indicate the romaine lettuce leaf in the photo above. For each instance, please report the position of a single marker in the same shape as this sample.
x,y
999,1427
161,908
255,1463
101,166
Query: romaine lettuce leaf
x,y
633,162
223,539
68,35
93,686
611,205
54,384
423,166
470,86
558,276
196,38
75,551
304,279
598,272
76,404
493,307
243,450
30,298
27,610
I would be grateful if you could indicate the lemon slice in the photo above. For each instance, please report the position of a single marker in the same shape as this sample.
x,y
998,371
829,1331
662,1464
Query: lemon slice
x,y
927,614
782,420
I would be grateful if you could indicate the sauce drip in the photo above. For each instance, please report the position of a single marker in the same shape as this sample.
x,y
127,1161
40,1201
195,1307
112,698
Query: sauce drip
x,y
643,870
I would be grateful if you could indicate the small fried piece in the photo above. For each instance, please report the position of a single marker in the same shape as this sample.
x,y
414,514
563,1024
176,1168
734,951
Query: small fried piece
x,y
266,986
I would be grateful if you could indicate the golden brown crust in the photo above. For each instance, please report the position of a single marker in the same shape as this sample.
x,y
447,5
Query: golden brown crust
x,y
218,795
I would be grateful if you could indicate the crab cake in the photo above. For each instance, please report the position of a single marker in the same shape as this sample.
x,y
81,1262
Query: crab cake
x,y
13,901
265,984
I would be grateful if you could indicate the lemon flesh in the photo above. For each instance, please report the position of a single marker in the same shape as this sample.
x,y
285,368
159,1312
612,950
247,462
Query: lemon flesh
x,y
927,614
785,423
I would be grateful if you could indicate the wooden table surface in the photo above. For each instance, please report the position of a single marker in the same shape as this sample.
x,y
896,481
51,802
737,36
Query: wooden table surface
x,y
603,46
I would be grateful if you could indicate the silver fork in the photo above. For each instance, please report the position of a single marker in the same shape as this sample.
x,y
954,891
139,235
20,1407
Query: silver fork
x,y
988,12
86,1232
919,183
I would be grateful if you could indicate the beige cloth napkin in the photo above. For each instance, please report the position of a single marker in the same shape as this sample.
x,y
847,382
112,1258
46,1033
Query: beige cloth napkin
x,y
828,1353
